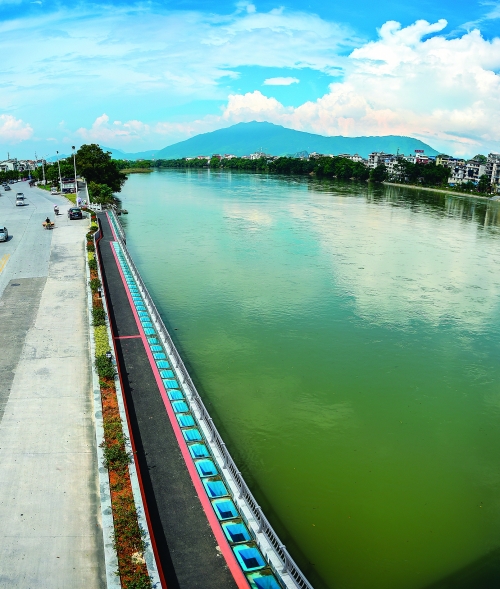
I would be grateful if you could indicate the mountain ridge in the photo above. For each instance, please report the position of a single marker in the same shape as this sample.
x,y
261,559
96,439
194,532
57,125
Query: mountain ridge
x,y
245,138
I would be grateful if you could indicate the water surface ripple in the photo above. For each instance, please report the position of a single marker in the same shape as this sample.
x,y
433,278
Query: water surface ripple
x,y
346,341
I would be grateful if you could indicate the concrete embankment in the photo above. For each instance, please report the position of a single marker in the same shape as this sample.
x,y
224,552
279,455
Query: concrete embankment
x,y
440,191
49,502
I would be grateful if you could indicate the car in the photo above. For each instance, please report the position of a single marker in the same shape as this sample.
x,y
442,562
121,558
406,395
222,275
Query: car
x,y
20,201
54,190
4,234
75,213
6,187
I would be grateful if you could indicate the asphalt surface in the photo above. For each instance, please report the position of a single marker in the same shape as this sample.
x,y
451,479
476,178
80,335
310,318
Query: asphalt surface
x,y
189,554
49,498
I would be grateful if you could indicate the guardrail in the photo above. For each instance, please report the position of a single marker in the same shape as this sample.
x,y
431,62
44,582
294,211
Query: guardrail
x,y
288,565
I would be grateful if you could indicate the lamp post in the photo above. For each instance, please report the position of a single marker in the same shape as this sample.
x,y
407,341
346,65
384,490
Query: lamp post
x,y
59,167
43,169
74,167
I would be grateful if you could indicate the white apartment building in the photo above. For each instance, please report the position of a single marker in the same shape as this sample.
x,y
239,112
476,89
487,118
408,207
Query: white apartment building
x,y
493,170
377,158
10,165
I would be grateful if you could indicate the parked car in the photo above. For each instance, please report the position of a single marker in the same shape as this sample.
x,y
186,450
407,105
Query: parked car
x,y
54,190
75,213
20,201
4,234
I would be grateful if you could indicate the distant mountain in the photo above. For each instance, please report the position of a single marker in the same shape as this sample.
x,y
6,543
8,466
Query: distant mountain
x,y
54,158
246,138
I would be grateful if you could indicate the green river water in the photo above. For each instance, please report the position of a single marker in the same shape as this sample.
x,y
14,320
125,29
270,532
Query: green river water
x,y
346,341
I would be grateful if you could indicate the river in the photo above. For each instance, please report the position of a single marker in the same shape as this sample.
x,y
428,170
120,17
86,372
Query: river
x,y
346,341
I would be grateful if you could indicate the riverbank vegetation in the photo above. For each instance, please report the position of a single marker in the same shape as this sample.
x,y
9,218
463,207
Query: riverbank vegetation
x,y
102,173
128,534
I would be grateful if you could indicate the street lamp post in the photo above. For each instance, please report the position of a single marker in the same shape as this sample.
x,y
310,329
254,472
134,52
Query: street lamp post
x,y
59,167
43,170
74,167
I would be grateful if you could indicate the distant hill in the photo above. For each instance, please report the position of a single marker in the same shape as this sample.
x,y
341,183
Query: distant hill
x,y
246,138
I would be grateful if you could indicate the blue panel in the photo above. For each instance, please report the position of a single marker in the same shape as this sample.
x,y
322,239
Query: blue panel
x,y
250,558
206,468
156,348
199,451
159,356
236,532
185,420
215,489
149,331
174,395
224,509
143,313
171,384
191,435
162,364
166,374
263,580
140,307
180,406
146,323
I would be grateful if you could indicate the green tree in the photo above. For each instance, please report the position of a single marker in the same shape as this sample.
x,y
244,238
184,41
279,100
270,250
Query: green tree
x,y
484,184
101,193
95,165
480,158
378,174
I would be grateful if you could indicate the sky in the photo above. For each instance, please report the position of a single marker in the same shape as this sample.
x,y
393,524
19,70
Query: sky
x,y
144,75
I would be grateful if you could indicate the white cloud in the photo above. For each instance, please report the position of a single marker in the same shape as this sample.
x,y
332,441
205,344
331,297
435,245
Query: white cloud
x,y
444,91
281,81
117,133
14,130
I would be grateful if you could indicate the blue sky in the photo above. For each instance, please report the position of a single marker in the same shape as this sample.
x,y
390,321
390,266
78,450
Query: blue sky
x,y
143,75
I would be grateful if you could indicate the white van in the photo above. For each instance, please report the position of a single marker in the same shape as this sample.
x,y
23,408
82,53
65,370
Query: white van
x,y
4,234
20,199
54,190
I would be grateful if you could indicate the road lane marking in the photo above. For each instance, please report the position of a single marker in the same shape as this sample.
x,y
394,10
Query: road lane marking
x,y
3,261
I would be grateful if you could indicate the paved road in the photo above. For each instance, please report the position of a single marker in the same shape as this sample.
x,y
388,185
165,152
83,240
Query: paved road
x,y
50,535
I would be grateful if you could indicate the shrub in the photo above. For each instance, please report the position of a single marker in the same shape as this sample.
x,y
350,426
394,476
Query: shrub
x,y
101,341
139,581
98,316
93,227
95,284
104,367
115,456
90,247
93,264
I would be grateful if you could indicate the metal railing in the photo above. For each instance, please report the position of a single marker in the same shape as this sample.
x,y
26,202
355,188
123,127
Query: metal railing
x,y
288,564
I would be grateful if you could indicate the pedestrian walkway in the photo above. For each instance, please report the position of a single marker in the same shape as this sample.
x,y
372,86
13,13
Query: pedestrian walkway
x,y
189,554
50,533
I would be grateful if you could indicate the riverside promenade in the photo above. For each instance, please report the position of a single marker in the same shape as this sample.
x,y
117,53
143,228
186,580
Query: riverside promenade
x,y
190,555
50,532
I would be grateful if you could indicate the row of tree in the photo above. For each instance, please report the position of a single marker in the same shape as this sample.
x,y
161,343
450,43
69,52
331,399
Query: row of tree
x,y
92,163
332,167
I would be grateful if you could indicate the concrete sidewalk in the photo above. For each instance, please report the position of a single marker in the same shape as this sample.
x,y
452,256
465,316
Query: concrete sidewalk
x,y
50,533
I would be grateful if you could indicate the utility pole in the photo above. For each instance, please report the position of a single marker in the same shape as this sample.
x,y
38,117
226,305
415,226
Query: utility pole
x,y
59,167
74,167
43,170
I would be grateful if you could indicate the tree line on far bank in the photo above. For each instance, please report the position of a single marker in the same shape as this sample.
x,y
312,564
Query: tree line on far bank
x,y
336,167
340,168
